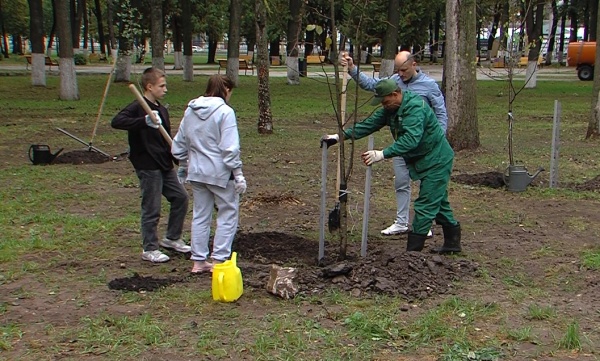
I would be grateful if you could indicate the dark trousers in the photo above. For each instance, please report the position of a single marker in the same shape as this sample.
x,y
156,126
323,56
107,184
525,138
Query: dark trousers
x,y
153,183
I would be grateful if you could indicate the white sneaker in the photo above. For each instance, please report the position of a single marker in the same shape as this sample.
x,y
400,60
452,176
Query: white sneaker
x,y
177,245
395,228
430,234
155,256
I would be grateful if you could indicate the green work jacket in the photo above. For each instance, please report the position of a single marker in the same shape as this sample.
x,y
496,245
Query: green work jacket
x,y
418,137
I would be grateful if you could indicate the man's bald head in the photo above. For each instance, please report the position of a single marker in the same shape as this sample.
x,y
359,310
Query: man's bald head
x,y
405,64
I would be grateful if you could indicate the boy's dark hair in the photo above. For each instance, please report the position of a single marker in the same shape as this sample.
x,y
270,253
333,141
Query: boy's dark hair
x,y
151,76
218,85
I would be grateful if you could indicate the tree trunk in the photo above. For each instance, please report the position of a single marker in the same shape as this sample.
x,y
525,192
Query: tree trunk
x,y
36,27
86,26
390,40
157,34
123,65
593,130
293,34
309,43
111,32
534,22
265,118
563,21
459,75
76,15
594,20
233,45
186,28
178,39
100,25
68,78
552,35
574,22
212,49
3,30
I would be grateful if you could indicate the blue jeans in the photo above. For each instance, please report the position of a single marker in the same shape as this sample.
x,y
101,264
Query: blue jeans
x,y
402,187
153,183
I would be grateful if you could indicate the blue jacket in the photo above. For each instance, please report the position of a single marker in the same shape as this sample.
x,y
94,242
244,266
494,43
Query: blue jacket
x,y
420,84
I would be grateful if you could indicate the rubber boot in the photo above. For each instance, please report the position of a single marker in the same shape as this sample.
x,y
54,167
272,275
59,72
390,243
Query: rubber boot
x,y
451,240
415,242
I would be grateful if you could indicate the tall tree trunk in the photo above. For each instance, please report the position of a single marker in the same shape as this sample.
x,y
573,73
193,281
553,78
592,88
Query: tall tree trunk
x,y
86,26
76,15
233,45
594,20
110,19
459,74
265,118
390,40
178,40
534,22
293,34
186,27
309,43
52,30
212,49
126,18
36,27
3,30
68,77
574,21
504,19
436,34
552,35
593,130
563,22
495,25
157,34
100,25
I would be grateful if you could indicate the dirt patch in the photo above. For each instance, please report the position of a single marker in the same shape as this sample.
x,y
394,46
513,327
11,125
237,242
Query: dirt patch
x,y
591,185
81,157
139,283
387,268
488,179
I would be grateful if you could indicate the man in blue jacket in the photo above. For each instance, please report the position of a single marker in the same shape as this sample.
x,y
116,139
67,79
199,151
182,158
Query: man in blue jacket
x,y
408,77
421,143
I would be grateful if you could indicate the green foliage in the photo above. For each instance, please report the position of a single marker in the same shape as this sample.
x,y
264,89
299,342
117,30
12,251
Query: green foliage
x,y
571,339
537,312
79,59
15,19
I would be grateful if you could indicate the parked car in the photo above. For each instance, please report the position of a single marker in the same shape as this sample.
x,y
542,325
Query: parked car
x,y
582,54
196,49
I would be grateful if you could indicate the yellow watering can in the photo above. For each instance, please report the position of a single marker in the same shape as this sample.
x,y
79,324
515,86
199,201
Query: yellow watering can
x,y
227,284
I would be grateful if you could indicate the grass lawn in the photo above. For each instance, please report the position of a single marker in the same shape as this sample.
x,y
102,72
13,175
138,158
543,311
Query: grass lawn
x,y
68,230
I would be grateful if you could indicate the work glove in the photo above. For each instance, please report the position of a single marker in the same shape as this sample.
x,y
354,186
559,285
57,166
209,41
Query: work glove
x,y
149,121
182,171
330,139
372,156
239,181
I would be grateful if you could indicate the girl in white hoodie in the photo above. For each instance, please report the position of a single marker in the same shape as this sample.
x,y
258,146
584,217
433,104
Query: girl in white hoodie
x,y
208,140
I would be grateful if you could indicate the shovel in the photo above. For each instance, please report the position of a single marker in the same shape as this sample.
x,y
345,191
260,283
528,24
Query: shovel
x,y
334,215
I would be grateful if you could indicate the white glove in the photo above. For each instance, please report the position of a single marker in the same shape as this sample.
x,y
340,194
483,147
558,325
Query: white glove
x,y
372,156
239,181
182,171
149,121
330,139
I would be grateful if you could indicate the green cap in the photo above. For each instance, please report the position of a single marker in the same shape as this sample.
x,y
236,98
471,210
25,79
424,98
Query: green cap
x,y
383,88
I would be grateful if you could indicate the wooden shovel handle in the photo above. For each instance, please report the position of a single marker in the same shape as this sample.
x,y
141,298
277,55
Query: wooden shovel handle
x,y
343,119
148,111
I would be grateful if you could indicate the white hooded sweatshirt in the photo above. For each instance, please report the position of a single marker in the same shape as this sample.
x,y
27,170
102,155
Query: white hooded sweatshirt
x,y
208,138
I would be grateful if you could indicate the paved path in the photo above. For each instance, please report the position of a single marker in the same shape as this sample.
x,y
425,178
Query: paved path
x,y
434,71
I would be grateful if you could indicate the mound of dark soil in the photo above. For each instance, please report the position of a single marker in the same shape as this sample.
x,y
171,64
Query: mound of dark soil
x,y
387,268
488,179
139,283
591,185
81,157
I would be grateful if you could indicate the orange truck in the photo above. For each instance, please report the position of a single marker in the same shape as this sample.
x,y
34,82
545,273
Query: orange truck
x,y
582,55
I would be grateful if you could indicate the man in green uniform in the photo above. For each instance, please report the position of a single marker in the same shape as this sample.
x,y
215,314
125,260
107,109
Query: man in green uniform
x,y
420,140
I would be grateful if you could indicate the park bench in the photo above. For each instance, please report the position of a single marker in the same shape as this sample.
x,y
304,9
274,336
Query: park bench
x,y
524,60
98,57
245,65
48,61
315,59
376,66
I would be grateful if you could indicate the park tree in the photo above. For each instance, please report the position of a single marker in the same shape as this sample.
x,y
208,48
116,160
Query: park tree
x,y
97,11
534,17
294,28
265,118
233,44
157,34
14,20
460,84
127,29
593,130
186,22
390,40
68,77
36,21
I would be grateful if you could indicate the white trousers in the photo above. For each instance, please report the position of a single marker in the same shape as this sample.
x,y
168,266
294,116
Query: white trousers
x,y
206,197
402,187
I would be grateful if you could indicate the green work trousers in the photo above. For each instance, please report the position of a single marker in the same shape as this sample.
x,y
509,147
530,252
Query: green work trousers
x,y
432,203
